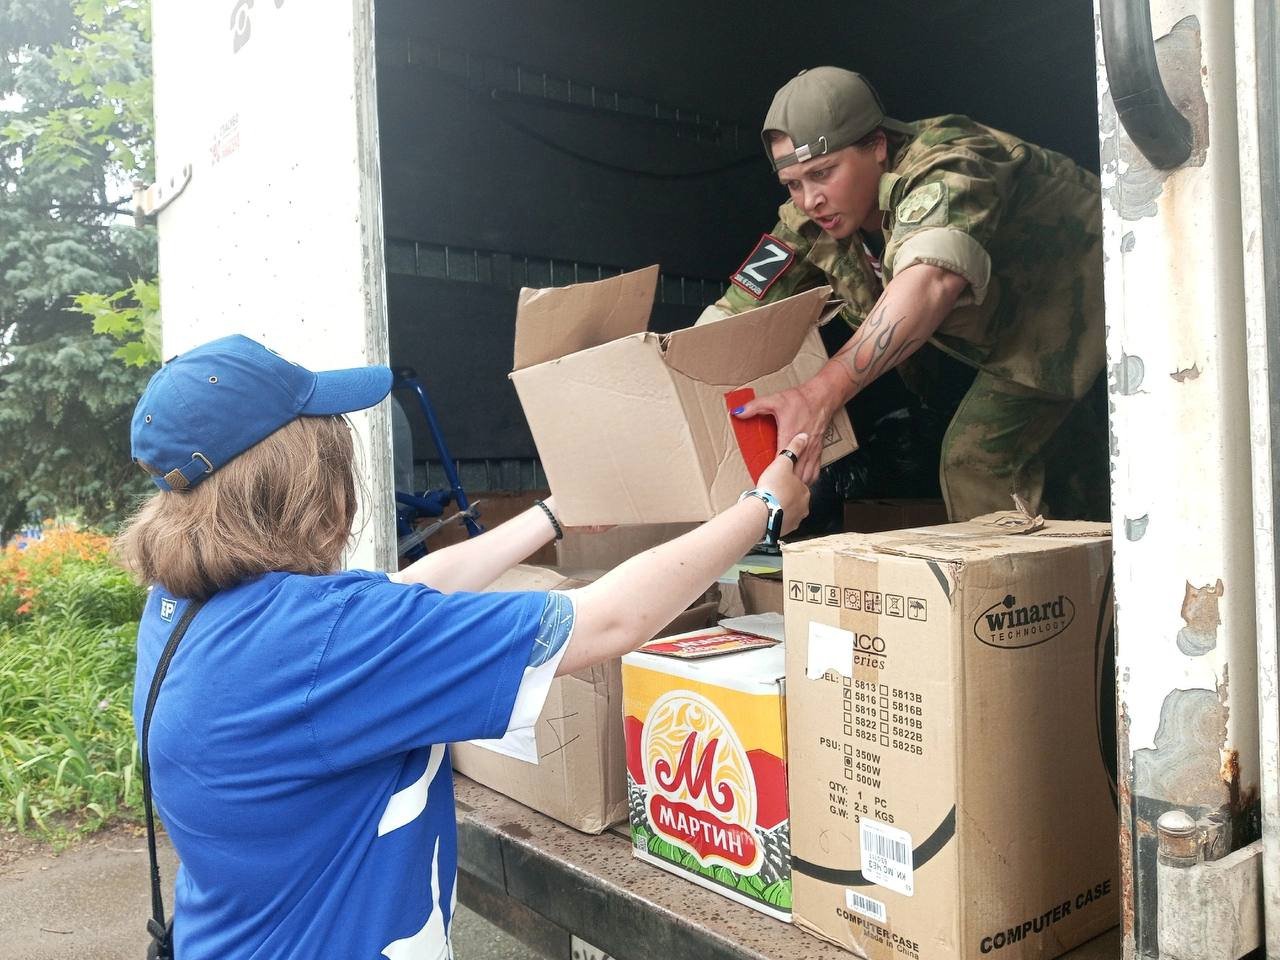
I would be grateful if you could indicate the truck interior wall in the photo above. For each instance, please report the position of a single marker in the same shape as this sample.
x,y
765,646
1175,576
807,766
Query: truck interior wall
x,y
544,143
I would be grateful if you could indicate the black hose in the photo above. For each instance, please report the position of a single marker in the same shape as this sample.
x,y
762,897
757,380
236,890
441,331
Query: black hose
x,y
1153,123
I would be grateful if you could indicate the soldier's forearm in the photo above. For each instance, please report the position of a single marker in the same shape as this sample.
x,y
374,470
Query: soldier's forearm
x,y
908,313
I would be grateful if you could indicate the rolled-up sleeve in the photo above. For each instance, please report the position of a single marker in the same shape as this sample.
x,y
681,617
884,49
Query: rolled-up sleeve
x,y
953,250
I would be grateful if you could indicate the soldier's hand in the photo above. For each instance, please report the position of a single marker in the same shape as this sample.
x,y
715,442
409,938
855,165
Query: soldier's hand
x,y
801,409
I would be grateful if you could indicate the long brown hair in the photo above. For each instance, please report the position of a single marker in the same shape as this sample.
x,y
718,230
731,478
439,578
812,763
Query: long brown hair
x,y
286,503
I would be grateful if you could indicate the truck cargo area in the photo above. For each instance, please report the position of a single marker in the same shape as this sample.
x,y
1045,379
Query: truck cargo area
x,y
549,143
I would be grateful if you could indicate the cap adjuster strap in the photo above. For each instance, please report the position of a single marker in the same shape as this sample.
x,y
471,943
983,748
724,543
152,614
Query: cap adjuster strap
x,y
182,477
802,153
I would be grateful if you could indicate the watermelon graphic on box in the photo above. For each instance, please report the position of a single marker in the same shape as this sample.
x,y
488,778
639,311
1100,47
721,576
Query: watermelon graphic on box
x,y
707,771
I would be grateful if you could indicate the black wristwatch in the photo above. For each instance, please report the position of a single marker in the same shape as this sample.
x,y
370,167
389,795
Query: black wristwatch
x,y
773,524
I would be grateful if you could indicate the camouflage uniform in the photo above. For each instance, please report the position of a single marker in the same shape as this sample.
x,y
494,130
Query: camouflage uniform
x,y
1023,225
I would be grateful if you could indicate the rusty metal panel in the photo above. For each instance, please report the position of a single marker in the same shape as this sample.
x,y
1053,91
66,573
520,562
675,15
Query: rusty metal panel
x,y
1181,491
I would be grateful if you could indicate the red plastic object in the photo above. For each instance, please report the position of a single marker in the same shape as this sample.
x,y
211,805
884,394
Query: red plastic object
x,y
757,436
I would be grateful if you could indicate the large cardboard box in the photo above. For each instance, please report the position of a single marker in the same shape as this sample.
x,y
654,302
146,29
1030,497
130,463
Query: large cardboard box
x,y
951,794
633,427
706,770
580,776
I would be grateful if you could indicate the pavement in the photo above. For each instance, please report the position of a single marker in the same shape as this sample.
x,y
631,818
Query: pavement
x,y
92,900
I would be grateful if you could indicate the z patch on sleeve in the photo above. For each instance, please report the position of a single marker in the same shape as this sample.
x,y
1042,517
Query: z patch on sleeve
x,y
766,264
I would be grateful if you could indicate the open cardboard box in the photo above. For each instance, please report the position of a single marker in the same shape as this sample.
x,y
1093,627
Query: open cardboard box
x,y
633,427
580,778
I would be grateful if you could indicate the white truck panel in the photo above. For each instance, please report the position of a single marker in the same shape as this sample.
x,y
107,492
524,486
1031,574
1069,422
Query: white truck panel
x,y
278,235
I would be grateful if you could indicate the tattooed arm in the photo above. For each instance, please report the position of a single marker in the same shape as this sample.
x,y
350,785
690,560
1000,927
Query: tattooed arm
x,y
910,310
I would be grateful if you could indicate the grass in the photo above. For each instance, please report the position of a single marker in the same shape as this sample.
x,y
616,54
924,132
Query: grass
x,y
68,623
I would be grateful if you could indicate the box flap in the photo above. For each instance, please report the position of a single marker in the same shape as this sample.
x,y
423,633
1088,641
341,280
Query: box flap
x,y
557,321
954,542
747,346
528,576
613,436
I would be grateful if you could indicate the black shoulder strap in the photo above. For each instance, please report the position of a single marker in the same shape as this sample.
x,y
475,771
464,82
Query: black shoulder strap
x,y
156,925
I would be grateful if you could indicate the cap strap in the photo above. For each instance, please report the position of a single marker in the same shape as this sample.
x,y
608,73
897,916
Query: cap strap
x,y
802,153
180,478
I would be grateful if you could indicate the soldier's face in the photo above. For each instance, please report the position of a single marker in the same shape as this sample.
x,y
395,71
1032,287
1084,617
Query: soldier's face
x,y
839,191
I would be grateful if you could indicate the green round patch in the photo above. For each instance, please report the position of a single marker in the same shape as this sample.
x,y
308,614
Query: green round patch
x,y
919,203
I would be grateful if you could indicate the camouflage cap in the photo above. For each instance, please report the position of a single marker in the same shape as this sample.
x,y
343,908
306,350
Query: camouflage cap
x,y
823,110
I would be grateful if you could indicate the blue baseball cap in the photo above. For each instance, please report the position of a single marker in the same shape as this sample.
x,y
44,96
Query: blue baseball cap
x,y
212,403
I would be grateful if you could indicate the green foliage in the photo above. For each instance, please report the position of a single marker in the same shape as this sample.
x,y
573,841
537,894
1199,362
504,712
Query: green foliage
x,y
130,316
103,122
68,625
80,73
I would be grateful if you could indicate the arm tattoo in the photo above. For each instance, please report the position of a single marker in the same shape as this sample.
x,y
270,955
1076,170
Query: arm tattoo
x,y
873,349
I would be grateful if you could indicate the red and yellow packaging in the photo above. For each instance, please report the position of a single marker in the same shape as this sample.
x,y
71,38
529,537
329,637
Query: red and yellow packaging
x,y
707,772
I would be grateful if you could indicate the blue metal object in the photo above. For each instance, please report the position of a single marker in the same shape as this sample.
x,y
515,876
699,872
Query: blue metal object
x,y
412,506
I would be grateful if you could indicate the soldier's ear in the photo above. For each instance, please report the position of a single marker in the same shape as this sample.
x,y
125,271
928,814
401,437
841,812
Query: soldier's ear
x,y
882,147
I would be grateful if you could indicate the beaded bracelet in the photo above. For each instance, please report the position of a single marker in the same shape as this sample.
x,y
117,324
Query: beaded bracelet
x,y
555,524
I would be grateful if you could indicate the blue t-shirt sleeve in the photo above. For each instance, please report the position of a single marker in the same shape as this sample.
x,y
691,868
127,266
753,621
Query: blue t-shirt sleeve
x,y
405,666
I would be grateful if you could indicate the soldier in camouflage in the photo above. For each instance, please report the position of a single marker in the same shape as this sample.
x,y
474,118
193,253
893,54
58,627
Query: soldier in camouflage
x,y
947,232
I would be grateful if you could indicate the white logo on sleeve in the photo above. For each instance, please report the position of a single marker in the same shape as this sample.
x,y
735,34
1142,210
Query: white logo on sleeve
x,y
432,941
407,805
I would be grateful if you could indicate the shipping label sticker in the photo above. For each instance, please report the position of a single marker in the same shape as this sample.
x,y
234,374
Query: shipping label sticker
x,y
763,267
886,856
868,907
830,648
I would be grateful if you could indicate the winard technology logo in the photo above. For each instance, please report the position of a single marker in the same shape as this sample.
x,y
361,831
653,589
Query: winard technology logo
x,y
1011,625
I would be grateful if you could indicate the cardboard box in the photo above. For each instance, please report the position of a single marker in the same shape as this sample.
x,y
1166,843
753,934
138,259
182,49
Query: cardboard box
x,y
732,602
874,516
580,776
605,550
761,592
951,798
706,771
632,427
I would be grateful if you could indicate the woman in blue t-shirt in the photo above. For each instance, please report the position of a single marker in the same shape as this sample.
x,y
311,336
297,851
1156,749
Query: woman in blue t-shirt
x,y
297,745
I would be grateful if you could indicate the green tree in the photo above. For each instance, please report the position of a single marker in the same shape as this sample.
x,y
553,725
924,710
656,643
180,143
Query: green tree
x,y
76,80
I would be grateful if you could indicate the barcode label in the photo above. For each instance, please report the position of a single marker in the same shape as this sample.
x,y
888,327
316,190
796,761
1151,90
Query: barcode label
x,y
895,851
865,906
886,856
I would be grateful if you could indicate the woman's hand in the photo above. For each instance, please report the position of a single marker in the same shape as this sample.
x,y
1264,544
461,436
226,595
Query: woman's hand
x,y
782,479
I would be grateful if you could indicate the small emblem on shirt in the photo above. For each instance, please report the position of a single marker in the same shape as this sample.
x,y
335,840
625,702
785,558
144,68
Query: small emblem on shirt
x,y
766,264
920,202
167,607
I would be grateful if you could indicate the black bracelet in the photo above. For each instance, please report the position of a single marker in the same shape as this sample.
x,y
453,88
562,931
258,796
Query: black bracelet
x,y
555,524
